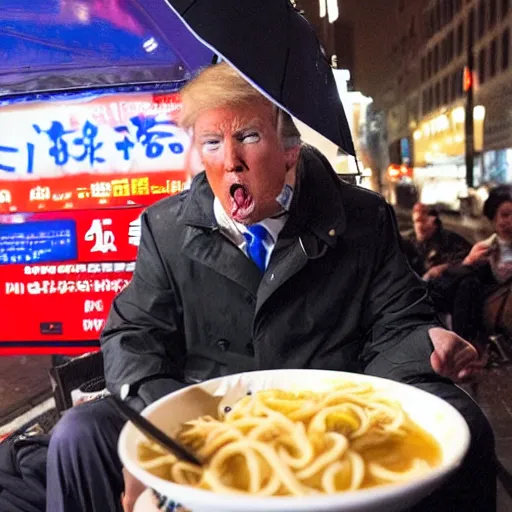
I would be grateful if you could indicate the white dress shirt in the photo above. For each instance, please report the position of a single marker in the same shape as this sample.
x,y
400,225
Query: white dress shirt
x,y
234,231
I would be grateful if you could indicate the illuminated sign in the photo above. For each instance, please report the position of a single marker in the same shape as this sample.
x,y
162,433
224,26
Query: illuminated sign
x,y
120,134
75,177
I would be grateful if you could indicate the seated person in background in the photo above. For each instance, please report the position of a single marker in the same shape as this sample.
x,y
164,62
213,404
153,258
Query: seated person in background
x,y
430,248
490,265
478,287
267,261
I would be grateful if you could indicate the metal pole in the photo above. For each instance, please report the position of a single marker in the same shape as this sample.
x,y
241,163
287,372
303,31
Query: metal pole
x,y
469,121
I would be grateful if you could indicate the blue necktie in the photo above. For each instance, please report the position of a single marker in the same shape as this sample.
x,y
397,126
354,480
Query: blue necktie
x,y
255,236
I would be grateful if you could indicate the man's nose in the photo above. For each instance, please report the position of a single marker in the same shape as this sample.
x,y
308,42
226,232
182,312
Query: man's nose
x,y
232,160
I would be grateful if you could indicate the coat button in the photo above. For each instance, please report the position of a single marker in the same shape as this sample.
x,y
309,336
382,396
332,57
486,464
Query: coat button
x,y
250,300
223,345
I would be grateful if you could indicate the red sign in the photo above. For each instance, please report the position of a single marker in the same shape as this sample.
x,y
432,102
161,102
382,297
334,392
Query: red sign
x,y
66,301
74,180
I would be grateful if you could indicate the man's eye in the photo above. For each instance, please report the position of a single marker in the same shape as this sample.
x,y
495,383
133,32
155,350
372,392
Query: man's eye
x,y
211,145
250,138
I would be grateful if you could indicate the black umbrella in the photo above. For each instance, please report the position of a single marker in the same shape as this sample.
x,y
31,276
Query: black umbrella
x,y
274,47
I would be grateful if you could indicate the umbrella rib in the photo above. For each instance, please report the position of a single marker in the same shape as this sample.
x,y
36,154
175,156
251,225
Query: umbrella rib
x,y
184,13
283,78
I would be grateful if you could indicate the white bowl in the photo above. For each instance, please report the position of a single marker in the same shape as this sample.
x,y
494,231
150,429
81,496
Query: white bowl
x,y
436,416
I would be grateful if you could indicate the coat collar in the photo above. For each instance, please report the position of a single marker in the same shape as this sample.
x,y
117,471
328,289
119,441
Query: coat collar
x,y
317,206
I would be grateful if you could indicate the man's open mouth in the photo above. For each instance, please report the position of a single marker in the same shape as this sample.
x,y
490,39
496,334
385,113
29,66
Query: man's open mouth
x,y
243,202
240,194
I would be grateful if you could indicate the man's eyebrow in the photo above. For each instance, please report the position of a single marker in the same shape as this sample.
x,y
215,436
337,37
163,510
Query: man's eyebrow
x,y
210,133
254,124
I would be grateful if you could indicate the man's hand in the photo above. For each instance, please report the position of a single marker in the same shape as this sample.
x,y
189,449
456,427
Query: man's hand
x,y
132,490
454,357
479,253
435,272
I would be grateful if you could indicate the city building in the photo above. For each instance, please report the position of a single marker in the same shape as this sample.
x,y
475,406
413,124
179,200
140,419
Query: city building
x,y
335,33
426,96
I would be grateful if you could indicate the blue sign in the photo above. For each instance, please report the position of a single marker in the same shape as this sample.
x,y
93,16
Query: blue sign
x,y
38,242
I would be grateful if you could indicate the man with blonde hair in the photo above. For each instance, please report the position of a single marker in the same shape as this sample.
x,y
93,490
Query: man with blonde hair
x,y
268,261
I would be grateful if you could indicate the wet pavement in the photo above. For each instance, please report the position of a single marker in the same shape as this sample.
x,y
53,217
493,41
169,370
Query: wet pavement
x,y
24,383
494,395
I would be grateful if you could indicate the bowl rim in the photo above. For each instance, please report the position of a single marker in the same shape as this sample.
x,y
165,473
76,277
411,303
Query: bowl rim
x,y
292,503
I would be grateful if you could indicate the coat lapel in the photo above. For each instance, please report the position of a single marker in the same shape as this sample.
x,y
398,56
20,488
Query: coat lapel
x,y
287,259
317,219
212,249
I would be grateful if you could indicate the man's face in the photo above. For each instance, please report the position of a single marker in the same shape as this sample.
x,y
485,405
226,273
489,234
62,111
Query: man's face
x,y
424,225
244,159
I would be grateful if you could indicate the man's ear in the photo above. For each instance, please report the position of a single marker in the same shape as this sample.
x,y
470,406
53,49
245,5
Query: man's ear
x,y
291,156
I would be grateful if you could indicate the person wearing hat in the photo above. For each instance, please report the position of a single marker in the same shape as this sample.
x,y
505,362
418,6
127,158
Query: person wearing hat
x,y
268,261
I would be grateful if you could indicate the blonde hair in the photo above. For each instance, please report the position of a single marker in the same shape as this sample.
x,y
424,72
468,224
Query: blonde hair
x,y
221,86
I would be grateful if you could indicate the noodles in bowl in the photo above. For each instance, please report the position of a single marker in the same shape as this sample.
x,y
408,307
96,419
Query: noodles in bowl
x,y
282,443
298,443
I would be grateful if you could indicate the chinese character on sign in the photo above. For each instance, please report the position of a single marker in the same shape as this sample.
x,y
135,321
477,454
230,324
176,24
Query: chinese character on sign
x,y
101,189
83,286
134,232
5,197
40,194
175,186
59,151
62,196
90,306
103,239
140,186
126,144
94,325
93,268
83,193
14,288
120,188
89,134
158,189
6,149
107,267
149,139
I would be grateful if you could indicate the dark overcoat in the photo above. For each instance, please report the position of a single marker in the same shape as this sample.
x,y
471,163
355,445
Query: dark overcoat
x,y
338,294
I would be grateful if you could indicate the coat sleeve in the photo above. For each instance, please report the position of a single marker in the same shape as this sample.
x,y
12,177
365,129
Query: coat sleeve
x,y
397,312
143,343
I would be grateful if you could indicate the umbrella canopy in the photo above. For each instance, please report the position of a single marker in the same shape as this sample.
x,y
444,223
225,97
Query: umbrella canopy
x,y
275,48
57,45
